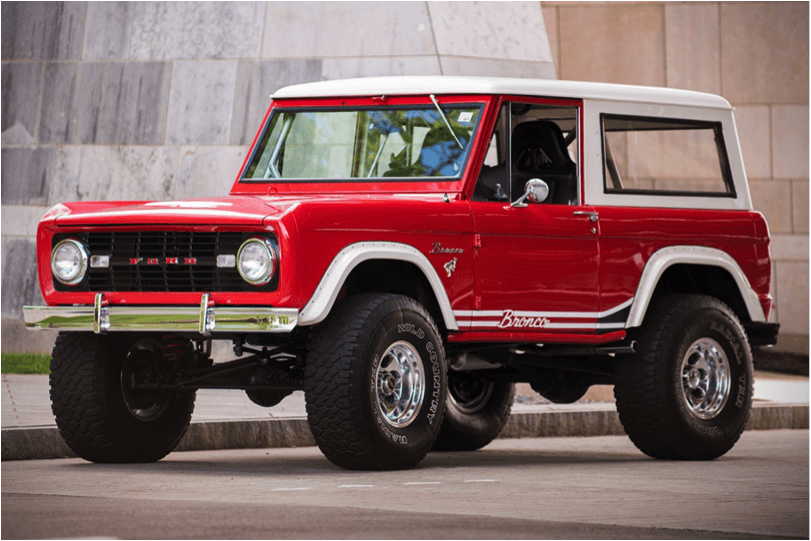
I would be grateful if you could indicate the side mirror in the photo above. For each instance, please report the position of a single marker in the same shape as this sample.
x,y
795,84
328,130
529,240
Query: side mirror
x,y
535,190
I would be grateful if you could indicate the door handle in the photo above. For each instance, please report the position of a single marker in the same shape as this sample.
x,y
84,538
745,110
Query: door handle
x,y
591,214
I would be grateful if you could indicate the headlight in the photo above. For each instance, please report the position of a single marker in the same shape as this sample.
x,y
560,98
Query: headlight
x,y
69,261
256,261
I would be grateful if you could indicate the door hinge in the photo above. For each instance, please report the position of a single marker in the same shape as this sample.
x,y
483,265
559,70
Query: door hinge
x,y
477,241
477,303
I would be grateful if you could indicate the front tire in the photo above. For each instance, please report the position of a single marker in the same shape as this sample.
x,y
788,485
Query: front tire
x,y
376,383
98,413
687,393
475,412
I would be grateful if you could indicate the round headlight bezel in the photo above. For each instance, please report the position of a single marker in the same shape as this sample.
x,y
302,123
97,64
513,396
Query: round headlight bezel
x,y
84,258
269,248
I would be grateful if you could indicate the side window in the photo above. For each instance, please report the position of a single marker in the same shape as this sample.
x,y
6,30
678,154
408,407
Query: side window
x,y
664,156
532,141
494,178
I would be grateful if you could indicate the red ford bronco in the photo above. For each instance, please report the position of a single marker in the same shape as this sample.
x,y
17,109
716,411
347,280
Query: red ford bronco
x,y
404,250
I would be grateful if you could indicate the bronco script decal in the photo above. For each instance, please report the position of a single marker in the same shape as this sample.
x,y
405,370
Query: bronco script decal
x,y
509,319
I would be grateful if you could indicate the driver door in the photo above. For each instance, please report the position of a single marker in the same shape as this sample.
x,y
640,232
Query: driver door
x,y
536,265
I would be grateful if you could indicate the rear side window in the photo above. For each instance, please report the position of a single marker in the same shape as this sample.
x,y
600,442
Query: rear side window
x,y
664,156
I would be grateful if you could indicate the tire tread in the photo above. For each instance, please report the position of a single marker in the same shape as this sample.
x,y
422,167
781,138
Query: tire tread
x,y
333,409
82,411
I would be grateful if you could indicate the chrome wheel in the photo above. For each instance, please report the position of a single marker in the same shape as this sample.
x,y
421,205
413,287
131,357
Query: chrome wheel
x,y
400,384
706,378
470,396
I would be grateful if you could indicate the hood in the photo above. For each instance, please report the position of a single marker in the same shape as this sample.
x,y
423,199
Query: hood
x,y
232,210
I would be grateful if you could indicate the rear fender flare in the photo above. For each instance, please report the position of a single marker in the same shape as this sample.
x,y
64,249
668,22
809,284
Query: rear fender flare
x,y
695,255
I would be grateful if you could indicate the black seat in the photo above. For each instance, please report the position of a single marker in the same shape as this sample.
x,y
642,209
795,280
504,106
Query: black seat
x,y
539,151
493,184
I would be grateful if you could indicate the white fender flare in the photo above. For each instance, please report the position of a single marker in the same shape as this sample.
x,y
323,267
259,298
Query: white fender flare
x,y
320,304
695,255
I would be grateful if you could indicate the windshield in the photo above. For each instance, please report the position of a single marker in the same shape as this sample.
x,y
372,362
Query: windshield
x,y
367,143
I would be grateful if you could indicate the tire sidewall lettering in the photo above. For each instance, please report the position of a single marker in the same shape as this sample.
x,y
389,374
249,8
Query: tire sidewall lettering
x,y
730,338
735,348
725,333
419,336
436,380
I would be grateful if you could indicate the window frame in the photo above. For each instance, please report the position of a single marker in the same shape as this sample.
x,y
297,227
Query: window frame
x,y
720,144
276,110
551,102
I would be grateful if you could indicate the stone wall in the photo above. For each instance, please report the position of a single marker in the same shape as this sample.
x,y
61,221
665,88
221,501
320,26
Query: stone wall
x,y
755,55
152,100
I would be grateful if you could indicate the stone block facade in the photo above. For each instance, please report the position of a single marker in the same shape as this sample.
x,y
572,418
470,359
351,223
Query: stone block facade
x,y
160,100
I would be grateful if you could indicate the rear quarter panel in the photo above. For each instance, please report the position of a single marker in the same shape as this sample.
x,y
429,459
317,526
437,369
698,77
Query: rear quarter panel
x,y
629,236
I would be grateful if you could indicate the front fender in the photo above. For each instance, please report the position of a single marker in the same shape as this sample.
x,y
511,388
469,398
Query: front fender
x,y
320,304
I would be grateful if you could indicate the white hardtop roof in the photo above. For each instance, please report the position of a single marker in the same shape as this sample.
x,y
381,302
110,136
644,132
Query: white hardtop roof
x,y
440,84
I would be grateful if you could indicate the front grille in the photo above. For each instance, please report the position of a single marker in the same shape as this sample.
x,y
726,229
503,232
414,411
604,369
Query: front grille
x,y
167,261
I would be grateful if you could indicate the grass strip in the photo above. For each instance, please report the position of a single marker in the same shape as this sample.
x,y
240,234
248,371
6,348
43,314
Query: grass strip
x,y
26,363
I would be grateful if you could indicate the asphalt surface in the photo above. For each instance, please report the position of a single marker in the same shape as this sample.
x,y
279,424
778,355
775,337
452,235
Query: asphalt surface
x,y
539,488
229,420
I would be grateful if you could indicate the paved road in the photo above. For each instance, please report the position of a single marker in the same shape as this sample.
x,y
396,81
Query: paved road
x,y
599,487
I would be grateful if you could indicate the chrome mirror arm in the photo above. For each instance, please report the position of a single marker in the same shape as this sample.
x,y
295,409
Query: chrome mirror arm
x,y
536,190
519,203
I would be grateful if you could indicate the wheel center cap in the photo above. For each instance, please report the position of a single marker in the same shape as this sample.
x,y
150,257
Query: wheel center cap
x,y
388,384
693,378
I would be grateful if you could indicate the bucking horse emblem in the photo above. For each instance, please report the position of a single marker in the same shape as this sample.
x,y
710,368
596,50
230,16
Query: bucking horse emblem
x,y
450,266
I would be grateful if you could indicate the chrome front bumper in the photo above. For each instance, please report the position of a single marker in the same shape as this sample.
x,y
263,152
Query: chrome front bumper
x,y
205,319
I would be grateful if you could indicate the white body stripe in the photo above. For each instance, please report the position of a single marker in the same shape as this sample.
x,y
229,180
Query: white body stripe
x,y
493,319
567,315
578,326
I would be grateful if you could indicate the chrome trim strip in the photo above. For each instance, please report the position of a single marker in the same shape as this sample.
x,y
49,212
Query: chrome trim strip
x,y
99,318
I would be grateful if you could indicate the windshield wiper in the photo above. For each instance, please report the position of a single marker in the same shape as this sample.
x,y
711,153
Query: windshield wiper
x,y
445,119
377,158
272,169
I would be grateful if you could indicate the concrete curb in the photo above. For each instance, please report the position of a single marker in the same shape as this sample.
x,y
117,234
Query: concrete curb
x,y
45,442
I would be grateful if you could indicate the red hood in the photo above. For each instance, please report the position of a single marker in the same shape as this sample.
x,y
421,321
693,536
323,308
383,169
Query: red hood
x,y
232,210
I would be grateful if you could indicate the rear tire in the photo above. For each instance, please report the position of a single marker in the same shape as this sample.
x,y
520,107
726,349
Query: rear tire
x,y
375,383
100,417
687,393
475,412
